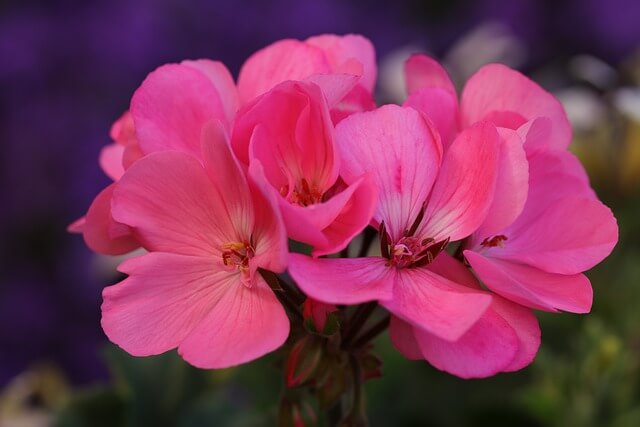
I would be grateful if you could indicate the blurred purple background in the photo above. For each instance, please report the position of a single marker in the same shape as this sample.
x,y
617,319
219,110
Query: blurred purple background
x,y
69,68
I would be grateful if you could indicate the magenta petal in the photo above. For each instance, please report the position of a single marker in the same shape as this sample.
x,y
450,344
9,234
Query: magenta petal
x,y
283,60
111,160
435,304
422,71
569,237
175,207
342,51
343,280
450,268
222,80
440,106
464,189
101,232
171,107
165,297
512,186
289,131
334,86
77,226
532,287
243,325
526,327
269,233
403,339
355,215
402,152
487,348
499,92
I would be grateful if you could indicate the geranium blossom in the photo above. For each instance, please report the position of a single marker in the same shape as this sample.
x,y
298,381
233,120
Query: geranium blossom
x,y
425,201
537,258
208,230
482,215
289,132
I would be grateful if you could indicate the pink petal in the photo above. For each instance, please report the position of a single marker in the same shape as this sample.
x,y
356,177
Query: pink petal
x,y
553,176
403,339
171,107
440,106
340,52
111,160
481,363
532,287
123,132
500,94
269,233
569,237
101,233
450,268
535,133
356,101
283,60
77,226
525,325
402,152
165,297
175,207
422,71
435,304
342,280
245,324
330,226
227,178
222,80
289,131
334,86
464,189
512,186
487,348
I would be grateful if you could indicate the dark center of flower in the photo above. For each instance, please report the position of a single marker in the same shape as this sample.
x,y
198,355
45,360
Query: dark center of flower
x,y
303,193
409,251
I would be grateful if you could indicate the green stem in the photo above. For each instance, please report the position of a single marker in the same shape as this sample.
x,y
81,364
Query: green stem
x,y
356,416
356,322
373,332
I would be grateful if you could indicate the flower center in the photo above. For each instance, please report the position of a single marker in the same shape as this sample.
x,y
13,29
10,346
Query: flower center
x,y
409,251
236,256
495,241
302,194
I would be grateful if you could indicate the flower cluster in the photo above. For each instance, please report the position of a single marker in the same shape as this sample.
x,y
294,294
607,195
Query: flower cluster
x,y
481,212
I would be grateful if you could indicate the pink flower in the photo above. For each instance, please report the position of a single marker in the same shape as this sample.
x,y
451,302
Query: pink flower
x,y
208,230
291,59
506,338
535,256
494,93
289,132
425,201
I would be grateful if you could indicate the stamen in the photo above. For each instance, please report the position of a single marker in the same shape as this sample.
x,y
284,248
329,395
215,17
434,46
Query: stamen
x,y
495,241
236,255
303,194
411,252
